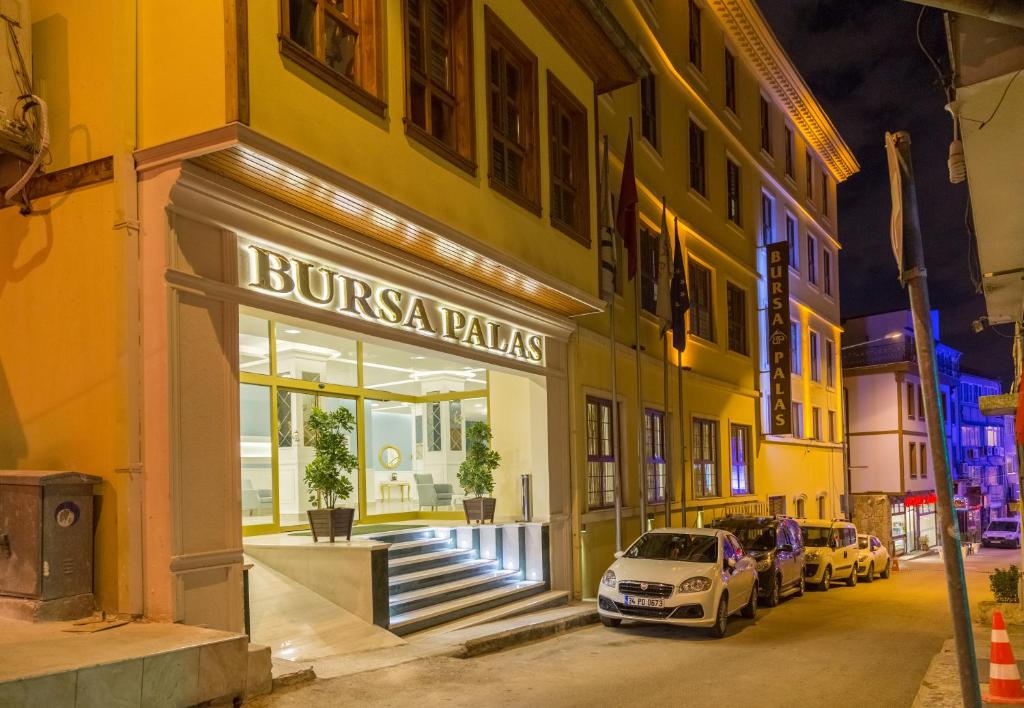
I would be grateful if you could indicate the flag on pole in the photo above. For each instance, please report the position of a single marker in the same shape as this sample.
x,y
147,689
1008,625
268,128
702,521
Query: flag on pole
x,y
606,236
896,191
625,219
680,297
1019,422
664,297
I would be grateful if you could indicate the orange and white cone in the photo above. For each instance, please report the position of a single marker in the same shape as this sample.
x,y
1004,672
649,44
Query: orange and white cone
x,y
1004,678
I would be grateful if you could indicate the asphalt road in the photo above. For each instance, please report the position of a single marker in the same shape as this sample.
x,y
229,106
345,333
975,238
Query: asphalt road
x,y
864,646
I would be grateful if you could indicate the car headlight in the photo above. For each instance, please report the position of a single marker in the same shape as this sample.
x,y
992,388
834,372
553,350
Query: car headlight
x,y
764,564
812,555
609,578
699,584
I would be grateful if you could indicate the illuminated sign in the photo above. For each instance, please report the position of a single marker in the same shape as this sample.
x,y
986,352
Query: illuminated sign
x,y
329,287
919,499
780,346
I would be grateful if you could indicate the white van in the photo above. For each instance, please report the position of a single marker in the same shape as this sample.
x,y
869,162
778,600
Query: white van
x,y
1002,532
831,550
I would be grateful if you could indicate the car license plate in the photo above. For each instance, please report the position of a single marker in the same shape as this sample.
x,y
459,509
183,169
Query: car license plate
x,y
645,601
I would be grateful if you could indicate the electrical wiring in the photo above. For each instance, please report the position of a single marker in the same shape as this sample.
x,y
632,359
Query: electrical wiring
x,y
1006,89
943,81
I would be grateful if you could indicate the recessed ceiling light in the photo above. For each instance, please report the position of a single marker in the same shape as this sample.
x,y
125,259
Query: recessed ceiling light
x,y
467,368
293,331
419,358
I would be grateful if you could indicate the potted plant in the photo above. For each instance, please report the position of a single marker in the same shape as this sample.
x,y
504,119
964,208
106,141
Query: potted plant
x,y
1004,585
476,473
327,476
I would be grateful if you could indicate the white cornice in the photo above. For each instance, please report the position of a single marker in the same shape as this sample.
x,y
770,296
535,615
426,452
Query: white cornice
x,y
746,27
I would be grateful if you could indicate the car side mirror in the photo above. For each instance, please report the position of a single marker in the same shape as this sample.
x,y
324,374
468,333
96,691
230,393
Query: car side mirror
x,y
833,544
619,554
786,547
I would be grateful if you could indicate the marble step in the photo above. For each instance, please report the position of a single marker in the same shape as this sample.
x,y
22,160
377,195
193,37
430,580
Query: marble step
x,y
413,534
533,603
415,620
420,545
405,582
434,559
433,594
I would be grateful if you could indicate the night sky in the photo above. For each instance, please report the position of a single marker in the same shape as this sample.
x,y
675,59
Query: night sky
x,y
862,61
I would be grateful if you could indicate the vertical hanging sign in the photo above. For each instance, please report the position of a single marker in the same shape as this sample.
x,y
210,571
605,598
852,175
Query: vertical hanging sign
x,y
780,345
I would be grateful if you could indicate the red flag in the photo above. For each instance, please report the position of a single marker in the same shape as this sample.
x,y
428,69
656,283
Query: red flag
x,y
1019,423
625,219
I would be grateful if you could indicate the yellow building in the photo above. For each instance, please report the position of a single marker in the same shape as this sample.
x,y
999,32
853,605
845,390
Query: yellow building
x,y
255,208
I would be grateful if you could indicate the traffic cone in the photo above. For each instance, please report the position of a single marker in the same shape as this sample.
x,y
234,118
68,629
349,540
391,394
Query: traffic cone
x,y
895,564
1003,677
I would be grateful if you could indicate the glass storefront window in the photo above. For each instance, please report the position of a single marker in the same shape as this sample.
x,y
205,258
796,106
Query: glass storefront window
x,y
253,344
390,456
256,453
308,354
416,372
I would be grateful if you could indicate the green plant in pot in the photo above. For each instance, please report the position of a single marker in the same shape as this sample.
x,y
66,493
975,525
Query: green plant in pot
x,y
476,473
327,475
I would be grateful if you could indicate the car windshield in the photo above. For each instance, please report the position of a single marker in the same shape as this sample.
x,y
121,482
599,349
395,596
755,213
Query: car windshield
x,y
816,536
692,548
863,543
753,538
1003,526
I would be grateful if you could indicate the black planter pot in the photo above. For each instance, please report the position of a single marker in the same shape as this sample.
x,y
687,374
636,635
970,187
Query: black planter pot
x,y
331,523
479,509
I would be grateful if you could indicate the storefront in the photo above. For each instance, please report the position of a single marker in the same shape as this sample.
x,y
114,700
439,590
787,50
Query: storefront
x,y
913,523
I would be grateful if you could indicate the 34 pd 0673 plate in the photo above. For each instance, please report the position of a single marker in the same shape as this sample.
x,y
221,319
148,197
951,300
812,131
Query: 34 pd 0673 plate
x,y
644,601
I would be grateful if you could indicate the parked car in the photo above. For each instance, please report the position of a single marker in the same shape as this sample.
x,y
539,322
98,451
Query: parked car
x,y
832,552
873,558
777,546
1002,532
688,577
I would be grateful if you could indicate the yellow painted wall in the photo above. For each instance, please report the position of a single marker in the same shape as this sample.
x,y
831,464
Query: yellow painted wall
x,y
291,106
61,404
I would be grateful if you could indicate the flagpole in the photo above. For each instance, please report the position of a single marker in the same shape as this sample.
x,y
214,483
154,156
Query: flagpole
x,y
663,272
682,446
679,322
609,233
639,374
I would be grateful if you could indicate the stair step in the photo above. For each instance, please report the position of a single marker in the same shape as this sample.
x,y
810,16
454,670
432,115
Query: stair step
x,y
410,548
433,594
423,561
406,582
533,603
423,618
412,534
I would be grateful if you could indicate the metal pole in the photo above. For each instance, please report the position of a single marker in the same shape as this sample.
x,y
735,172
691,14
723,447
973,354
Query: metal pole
x,y
612,343
666,428
640,400
916,278
1018,366
682,445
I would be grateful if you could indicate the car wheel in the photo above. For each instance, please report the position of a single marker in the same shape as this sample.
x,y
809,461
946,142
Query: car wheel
x,y
750,611
870,577
852,580
772,598
721,618
801,586
610,621
888,567
826,579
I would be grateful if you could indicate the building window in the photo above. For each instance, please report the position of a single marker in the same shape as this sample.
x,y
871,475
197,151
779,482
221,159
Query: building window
x,y
567,128
732,176
788,148
797,358
696,50
913,460
798,419
512,115
830,363
824,194
434,430
736,303
648,271
821,507
911,398
338,41
705,457
600,454
832,426
698,178
815,423
815,355
702,321
920,402
809,168
826,270
801,512
739,454
455,425
777,506
767,219
654,454
923,450
766,126
649,110
794,248
730,81
812,260
439,91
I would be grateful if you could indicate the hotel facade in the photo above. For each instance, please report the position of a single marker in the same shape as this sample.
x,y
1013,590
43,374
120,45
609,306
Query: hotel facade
x,y
254,209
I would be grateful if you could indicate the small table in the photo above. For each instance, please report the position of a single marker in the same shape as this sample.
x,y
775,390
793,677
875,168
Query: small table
x,y
404,491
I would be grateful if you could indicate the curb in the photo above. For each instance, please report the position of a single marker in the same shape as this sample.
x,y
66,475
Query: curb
x,y
521,635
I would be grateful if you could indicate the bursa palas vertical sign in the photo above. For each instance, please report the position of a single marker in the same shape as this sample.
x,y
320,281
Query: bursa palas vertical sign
x,y
780,344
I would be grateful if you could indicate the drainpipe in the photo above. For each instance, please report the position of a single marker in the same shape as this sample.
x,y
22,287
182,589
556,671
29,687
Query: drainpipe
x,y
1006,12
131,527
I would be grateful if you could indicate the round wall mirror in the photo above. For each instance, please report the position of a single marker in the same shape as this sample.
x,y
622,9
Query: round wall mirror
x,y
390,456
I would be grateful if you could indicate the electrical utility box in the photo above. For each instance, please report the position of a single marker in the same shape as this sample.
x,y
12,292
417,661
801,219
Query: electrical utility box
x,y
46,534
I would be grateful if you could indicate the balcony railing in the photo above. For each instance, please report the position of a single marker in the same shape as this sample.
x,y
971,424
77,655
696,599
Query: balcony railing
x,y
891,350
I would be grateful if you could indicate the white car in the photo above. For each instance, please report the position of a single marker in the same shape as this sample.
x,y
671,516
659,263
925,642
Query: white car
x,y
688,577
873,558
1002,532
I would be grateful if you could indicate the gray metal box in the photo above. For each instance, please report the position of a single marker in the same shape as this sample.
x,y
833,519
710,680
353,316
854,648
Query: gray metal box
x,y
46,533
